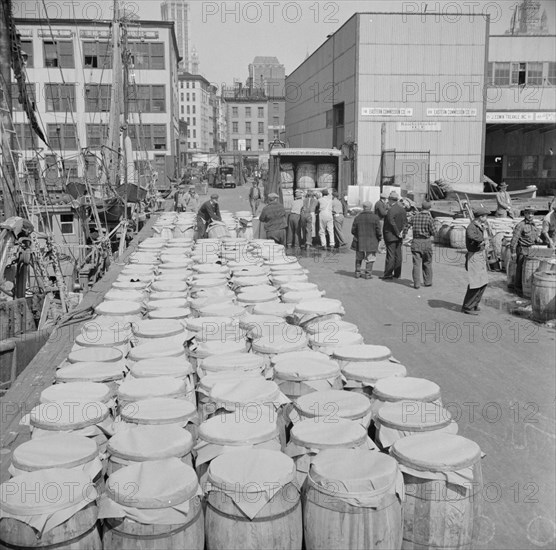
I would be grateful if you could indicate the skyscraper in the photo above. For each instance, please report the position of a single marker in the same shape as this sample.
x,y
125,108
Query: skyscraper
x,y
178,12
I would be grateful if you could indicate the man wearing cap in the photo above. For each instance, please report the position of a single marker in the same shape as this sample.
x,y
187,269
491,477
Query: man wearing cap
x,y
179,198
366,236
475,262
192,200
549,226
294,221
421,246
310,204
339,211
395,223
273,216
255,197
381,209
525,236
326,219
503,202
208,213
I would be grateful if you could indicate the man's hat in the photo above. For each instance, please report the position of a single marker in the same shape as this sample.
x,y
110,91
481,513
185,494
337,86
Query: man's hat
x,y
503,184
273,196
393,196
426,205
214,196
299,193
481,212
367,205
384,195
191,187
529,208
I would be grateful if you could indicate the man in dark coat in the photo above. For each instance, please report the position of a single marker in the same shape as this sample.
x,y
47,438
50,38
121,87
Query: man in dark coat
x,y
366,237
393,231
381,209
208,213
274,218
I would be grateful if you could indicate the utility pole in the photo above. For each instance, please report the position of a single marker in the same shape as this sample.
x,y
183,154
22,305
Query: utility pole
x,y
6,159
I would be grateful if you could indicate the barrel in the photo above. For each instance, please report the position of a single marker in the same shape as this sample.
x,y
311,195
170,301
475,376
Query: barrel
x,y
443,490
330,327
165,497
153,349
279,310
218,230
327,343
443,236
327,175
129,295
66,522
309,312
543,296
161,331
231,362
286,175
110,374
222,310
215,328
397,420
82,392
102,338
309,437
252,502
457,236
306,175
120,312
352,499
184,231
286,278
98,355
175,313
214,347
296,297
394,389
148,443
279,339
530,265
167,303
298,287
136,389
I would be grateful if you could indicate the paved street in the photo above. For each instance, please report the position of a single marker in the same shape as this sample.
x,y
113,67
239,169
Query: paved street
x,y
496,373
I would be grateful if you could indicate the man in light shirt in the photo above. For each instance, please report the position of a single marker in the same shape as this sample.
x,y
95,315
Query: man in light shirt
x,y
549,227
294,221
326,219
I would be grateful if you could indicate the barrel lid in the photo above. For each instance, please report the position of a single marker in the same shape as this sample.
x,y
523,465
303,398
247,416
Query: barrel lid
x,y
158,328
340,338
280,310
298,287
91,371
207,382
245,392
225,429
173,275
168,303
128,295
436,451
322,435
331,327
217,347
251,470
359,470
414,416
75,415
301,296
170,313
176,367
281,261
175,256
285,278
256,297
62,450
99,355
101,338
154,349
136,389
70,487
161,295
209,282
118,307
211,268
250,321
159,410
309,369
408,388
150,443
372,371
282,338
177,250
365,352
321,306
221,277
249,270
258,290
334,404
157,484
76,391
215,324
249,281
138,268
295,357
233,361
138,281
169,286
222,310
176,264
246,263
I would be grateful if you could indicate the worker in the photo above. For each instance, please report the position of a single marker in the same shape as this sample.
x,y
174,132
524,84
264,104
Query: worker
x,y
366,237
339,211
326,220
208,213
475,262
273,216
393,230
192,200
549,227
421,247
381,209
255,197
310,204
180,197
524,237
503,202
294,220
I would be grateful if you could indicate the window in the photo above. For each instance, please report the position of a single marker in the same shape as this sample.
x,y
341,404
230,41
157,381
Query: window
x,y
247,127
188,120
261,144
27,50
248,145
193,96
194,145
24,136
501,74
275,121
276,134
339,115
97,55
91,168
148,99
61,136
534,74
193,84
551,76
182,110
188,133
187,96
148,136
235,111
51,175
530,166
97,97
276,107
518,74
60,97
58,54
194,121
260,112
97,135
66,224
235,144
490,70
147,55
194,134
188,110
235,127
182,97
70,169
248,111
193,110
261,127
514,167
181,86
30,88
187,84
330,118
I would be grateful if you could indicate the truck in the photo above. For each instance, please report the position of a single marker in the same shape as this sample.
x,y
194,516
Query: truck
x,y
303,168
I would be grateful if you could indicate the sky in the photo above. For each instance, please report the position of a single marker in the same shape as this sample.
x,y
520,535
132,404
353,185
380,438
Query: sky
x,y
229,34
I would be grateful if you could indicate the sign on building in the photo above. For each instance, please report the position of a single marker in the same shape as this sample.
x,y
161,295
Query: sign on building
x,y
452,112
383,111
419,126
512,117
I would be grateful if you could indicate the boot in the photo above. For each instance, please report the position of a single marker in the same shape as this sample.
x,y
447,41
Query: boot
x,y
358,269
369,270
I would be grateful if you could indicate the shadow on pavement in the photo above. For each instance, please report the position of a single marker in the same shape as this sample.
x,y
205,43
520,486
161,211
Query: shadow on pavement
x,y
441,304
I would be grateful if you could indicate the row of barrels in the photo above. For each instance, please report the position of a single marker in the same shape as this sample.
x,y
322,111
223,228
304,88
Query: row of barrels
x,y
308,175
219,400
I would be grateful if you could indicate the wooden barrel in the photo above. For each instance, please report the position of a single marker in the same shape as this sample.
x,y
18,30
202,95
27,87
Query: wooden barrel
x,y
217,230
397,420
214,347
352,500
457,236
279,339
110,374
83,392
442,505
159,487
29,496
530,265
120,312
252,502
286,174
393,390
327,175
230,362
543,296
306,175
443,235
152,349
97,355
133,390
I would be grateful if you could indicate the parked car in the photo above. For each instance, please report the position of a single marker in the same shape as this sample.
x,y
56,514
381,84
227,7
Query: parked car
x,y
224,177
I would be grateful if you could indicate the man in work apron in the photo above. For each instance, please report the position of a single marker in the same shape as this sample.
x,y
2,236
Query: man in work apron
x,y
475,262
